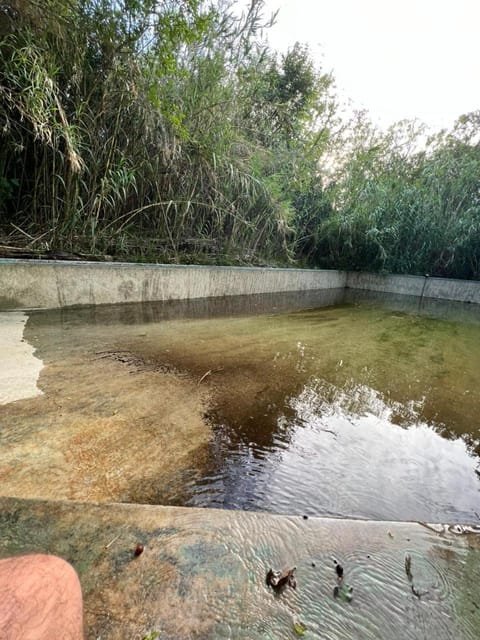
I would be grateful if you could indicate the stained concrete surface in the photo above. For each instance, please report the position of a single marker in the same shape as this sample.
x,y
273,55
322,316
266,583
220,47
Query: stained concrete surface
x,y
103,430
19,367
202,572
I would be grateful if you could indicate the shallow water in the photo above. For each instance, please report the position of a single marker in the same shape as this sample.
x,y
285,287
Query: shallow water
x,y
351,411
357,409
202,572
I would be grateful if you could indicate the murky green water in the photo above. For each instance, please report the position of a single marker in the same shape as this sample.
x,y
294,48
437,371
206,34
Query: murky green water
x,y
358,409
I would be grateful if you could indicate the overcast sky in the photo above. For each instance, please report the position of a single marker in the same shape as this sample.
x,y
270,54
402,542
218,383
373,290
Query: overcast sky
x,y
397,58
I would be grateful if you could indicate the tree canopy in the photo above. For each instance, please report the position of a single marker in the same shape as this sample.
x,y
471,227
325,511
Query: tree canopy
x,y
169,130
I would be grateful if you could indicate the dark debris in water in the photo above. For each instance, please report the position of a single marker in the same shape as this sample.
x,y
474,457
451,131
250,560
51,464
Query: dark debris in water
x,y
339,570
341,590
280,579
408,566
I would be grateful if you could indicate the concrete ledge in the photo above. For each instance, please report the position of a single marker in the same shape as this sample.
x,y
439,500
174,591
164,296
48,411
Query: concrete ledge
x,y
427,287
50,284
202,572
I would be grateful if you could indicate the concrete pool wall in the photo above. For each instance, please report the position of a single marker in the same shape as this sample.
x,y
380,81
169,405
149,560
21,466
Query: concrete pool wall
x,y
423,286
50,284
27,284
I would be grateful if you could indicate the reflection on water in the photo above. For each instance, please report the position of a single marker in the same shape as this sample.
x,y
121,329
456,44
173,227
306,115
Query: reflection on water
x,y
430,307
345,452
366,408
196,308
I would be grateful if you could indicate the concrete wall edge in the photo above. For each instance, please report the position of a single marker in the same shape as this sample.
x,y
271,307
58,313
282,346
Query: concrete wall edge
x,y
33,284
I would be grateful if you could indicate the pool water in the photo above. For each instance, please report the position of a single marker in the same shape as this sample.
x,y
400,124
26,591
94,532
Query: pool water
x,y
365,408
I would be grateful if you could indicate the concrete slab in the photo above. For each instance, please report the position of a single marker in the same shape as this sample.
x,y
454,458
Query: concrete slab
x,y
19,367
202,572
96,431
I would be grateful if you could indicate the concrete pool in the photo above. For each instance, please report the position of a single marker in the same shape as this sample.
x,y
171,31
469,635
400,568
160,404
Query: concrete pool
x,y
324,403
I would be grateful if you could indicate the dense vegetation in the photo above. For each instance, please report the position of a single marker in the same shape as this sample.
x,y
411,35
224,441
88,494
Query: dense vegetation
x,y
167,130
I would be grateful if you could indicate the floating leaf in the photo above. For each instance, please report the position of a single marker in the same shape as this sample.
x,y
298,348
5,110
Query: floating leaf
x,y
299,628
345,593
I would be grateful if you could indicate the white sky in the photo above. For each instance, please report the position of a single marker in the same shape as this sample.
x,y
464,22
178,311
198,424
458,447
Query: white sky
x,y
396,58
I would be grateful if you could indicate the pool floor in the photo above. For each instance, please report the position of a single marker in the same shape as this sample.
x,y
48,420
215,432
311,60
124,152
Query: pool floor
x,y
352,410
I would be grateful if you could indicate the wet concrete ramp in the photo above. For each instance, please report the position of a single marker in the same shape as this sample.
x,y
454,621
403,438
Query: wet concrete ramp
x,y
202,572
